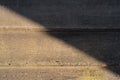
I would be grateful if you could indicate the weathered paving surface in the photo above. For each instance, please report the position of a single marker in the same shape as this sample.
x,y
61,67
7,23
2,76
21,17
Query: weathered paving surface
x,y
56,73
29,50
34,55
59,48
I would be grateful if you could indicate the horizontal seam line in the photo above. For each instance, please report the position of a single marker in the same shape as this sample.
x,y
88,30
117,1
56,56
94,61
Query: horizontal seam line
x,y
60,29
59,66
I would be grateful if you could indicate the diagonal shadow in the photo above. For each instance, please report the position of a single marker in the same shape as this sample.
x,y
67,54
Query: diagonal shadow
x,y
85,23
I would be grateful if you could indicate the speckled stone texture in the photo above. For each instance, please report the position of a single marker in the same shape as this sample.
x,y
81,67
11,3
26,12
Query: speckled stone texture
x,y
59,40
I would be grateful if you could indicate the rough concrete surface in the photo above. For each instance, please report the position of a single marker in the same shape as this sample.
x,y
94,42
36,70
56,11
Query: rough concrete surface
x,y
56,73
30,50
34,55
